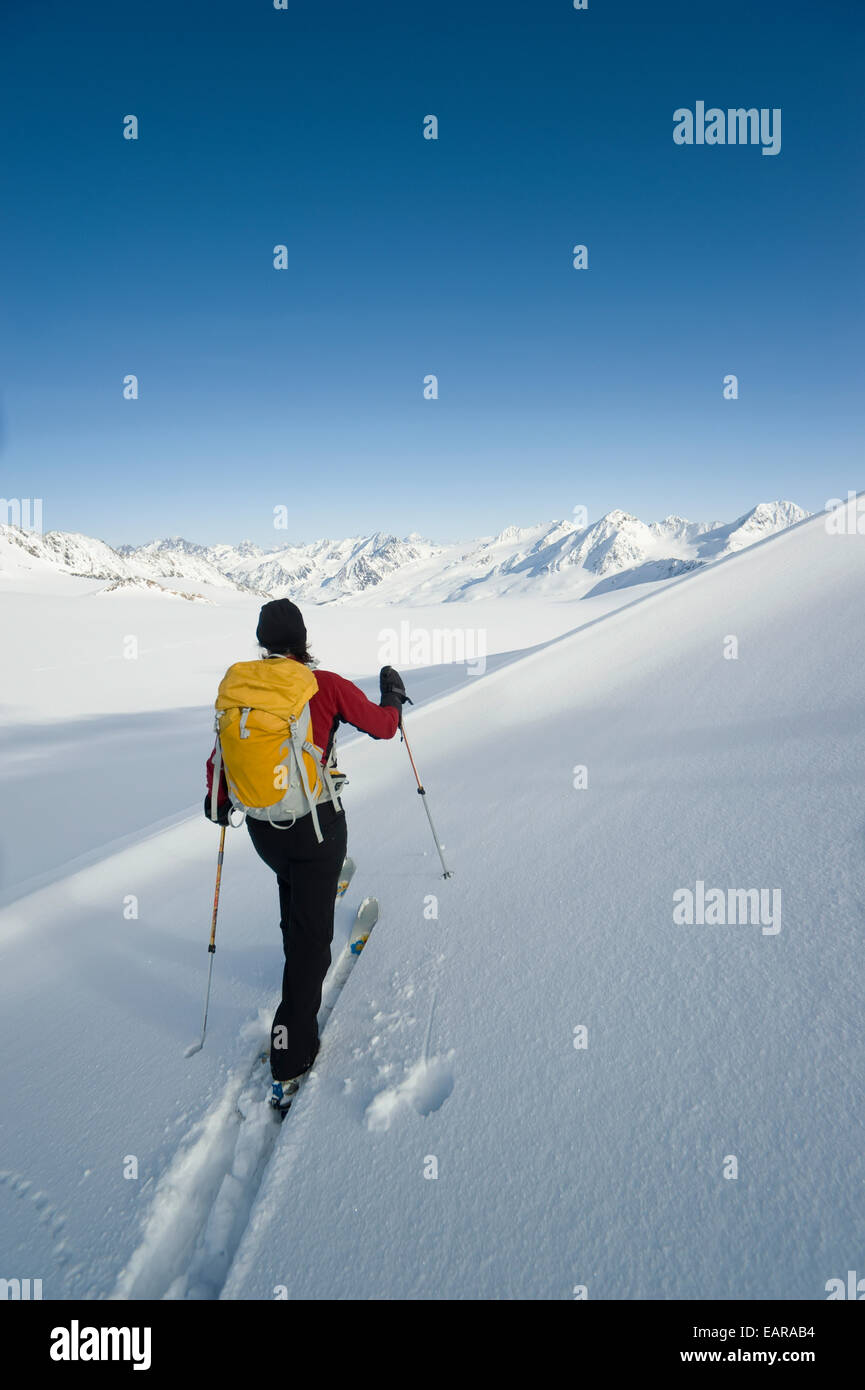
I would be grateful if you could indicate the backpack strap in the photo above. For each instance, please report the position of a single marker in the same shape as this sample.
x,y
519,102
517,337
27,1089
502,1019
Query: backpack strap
x,y
217,775
299,746
328,770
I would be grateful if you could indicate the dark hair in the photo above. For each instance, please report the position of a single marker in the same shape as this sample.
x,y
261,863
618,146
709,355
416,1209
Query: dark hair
x,y
302,654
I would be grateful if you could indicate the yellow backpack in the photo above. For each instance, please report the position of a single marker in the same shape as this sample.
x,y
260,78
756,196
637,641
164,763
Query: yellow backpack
x,y
264,742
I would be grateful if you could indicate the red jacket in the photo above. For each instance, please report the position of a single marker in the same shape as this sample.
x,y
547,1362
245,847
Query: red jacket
x,y
337,701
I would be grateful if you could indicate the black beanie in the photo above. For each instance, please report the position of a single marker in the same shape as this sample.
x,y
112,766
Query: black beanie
x,y
281,627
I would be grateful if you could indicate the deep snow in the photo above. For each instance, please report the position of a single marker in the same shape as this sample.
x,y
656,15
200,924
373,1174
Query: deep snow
x,y
454,1039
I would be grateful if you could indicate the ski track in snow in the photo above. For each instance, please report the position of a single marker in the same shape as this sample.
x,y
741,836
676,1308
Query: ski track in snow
x,y
201,1205
47,1215
178,1225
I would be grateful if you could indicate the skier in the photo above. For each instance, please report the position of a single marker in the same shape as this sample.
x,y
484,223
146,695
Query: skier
x,y
306,852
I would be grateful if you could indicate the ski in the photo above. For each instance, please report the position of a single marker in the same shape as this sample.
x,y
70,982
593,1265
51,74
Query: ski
x,y
346,876
365,919
367,916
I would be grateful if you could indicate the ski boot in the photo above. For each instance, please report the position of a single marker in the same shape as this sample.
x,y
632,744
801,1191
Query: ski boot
x,y
281,1095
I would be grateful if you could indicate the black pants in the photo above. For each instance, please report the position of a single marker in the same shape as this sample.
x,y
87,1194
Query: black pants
x,y
308,875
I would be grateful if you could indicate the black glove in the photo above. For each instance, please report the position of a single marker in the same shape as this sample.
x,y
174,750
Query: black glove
x,y
222,813
392,689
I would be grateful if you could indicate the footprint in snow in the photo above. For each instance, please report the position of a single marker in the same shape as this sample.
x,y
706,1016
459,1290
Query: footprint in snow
x,y
425,1087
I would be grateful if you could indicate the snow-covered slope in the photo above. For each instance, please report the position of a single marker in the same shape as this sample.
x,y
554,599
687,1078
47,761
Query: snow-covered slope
x,y
452,1049
605,1166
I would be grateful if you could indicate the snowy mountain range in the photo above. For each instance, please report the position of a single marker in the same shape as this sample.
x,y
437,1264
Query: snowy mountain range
x,y
558,559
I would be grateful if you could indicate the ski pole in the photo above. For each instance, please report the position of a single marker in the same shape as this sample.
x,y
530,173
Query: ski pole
x,y
211,949
422,792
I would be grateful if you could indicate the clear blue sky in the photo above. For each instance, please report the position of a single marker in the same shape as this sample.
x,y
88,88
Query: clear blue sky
x,y
407,256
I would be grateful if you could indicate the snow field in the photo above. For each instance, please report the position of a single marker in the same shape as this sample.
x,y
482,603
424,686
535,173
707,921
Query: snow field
x,y
452,1050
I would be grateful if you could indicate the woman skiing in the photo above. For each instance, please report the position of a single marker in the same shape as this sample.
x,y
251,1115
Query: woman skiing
x,y
300,833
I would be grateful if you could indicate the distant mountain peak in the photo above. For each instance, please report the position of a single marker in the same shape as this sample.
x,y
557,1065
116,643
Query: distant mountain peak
x,y
554,558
